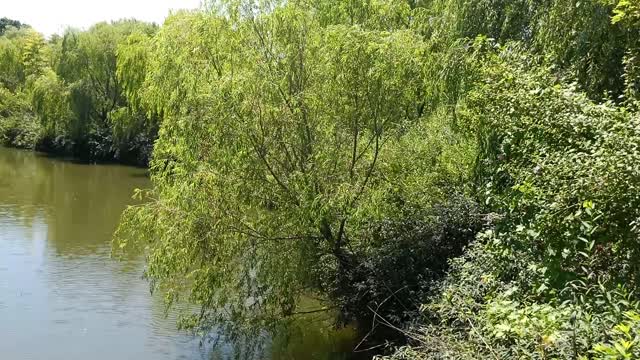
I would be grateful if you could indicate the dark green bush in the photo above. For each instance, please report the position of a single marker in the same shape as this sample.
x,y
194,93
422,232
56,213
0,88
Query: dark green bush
x,y
558,268
403,265
18,125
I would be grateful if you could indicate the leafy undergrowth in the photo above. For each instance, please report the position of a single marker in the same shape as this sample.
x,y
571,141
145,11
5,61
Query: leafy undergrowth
x,y
555,275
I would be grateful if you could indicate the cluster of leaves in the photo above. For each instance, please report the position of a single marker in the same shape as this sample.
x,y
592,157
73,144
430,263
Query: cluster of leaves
x,y
74,89
598,48
624,340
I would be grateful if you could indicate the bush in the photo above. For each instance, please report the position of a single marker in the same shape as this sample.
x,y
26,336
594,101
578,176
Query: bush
x,y
403,265
558,268
18,126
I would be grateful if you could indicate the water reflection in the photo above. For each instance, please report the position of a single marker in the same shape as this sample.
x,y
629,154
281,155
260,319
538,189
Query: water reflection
x,y
81,203
61,296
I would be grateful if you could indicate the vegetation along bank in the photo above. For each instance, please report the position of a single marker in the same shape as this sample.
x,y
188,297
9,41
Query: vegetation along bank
x,y
458,178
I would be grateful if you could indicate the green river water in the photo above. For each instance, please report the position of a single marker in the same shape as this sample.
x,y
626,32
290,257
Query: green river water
x,y
63,298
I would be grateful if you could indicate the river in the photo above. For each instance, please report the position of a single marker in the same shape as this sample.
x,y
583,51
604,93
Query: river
x,y
61,295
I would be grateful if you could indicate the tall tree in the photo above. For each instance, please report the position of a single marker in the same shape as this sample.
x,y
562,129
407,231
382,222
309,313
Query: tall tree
x,y
280,147
6,23
87,62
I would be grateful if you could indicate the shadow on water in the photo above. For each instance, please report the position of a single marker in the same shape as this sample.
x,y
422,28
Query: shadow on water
x,y
82,161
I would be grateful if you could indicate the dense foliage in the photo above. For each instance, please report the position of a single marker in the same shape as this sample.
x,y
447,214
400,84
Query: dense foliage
x,y
456,176
554,274
556,271
70,93
6,23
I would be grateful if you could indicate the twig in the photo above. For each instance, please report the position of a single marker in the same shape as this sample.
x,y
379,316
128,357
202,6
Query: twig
x,y
483,340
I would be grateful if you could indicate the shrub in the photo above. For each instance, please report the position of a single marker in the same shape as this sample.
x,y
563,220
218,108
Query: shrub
x,y
18,126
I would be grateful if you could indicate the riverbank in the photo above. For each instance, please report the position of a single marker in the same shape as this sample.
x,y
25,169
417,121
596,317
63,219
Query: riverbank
x,y
453,175
24,132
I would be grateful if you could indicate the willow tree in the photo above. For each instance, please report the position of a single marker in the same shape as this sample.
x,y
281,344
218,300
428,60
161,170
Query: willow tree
x,y
50,102
12,74
286,132
23,58
134,128
87,62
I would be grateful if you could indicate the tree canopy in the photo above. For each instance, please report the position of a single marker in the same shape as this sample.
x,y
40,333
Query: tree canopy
x,y
7,24
76,95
